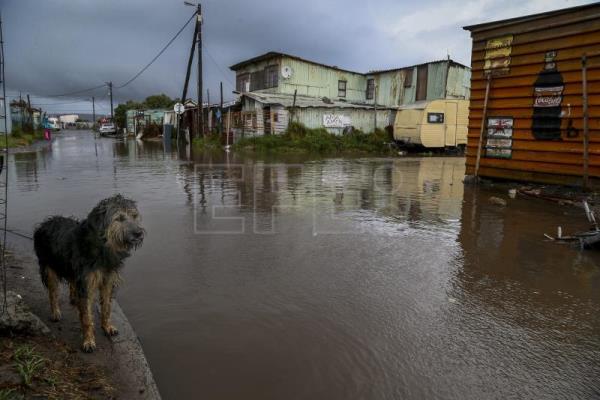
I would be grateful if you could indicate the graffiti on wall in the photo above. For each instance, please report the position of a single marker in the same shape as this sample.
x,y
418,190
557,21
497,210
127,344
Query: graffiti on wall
x,y
547,100
336,121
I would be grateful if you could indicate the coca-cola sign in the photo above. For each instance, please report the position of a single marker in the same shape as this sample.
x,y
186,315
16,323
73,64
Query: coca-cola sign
x,y
548,96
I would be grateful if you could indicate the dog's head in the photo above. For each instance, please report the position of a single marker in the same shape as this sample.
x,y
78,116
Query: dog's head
x,y
118,221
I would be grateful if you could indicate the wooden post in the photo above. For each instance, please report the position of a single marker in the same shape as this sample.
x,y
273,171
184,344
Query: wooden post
x,y
293,108
221,110
375,107
200,117
586,130
483,123
228,125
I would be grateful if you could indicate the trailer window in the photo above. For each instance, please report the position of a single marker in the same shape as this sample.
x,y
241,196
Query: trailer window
x,y
435,118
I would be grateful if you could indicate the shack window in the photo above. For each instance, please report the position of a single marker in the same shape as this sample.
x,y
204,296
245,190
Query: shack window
x,y
271,76
275,116
421,83
435,118
370,89
342,88
241,83
408,77
257,80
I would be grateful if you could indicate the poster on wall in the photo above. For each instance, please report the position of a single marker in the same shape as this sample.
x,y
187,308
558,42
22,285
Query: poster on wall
x,y
547,100
336,121
498,142
497,56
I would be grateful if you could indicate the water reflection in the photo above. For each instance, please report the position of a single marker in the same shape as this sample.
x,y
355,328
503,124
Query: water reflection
x,y
294,277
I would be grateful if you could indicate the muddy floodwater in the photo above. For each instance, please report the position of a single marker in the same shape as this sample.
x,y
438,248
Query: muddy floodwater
x,y
356,278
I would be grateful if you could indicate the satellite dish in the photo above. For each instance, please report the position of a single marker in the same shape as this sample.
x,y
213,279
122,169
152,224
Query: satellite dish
x,y
287,72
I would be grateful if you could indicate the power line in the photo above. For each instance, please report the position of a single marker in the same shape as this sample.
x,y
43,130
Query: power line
x,y
224,74
158,55
76,92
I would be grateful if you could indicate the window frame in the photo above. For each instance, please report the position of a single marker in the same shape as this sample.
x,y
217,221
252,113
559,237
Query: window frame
x,y
241,81
370,95
437,114
342,91
271,79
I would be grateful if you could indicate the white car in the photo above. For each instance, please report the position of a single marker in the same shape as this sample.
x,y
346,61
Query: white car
x,y
107,129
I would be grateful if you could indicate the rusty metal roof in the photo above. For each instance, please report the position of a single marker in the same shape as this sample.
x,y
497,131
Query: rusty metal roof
x,y
275,54
449,60
527,18
287,100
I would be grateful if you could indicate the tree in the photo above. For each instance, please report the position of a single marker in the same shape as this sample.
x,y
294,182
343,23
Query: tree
x,y
159,101
155,101
121,111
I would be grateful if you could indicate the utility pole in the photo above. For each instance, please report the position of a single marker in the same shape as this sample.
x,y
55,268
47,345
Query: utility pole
x,y
209,126
221,111
112,119
199,45
93,113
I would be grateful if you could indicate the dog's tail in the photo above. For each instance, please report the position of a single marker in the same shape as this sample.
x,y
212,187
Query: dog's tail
x,y
39,246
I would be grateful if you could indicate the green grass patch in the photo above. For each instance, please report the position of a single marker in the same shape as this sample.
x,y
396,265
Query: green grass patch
x,y
208,142
299,138
20,138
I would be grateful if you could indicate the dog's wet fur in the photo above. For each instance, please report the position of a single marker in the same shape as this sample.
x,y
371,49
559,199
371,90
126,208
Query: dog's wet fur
x,y
88,254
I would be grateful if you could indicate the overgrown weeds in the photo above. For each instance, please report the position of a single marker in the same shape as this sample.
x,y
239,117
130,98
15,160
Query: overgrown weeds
x,y
299,138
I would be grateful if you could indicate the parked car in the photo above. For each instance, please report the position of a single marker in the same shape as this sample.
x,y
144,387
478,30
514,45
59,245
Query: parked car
x,y
107,128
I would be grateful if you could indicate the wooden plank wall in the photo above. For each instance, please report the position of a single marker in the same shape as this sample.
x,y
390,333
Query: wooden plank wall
x,y
512,95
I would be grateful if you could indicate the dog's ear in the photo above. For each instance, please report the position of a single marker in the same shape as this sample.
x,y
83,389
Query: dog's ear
x,y
96,219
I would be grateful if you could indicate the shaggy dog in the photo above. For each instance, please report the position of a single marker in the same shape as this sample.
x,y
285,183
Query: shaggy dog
x,y
88,254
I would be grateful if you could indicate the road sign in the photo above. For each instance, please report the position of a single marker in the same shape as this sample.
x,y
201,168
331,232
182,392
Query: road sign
x,y
178,108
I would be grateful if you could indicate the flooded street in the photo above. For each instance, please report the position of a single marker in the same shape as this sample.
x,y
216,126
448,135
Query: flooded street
x,y
365,278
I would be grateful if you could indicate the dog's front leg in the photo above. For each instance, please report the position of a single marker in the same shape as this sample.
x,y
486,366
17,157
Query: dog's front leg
x,y
87,323
106,289
85,311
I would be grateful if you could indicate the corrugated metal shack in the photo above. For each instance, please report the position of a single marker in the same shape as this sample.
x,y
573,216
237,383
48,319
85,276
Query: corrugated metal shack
x,y
266,113
533,121
335,98
137,120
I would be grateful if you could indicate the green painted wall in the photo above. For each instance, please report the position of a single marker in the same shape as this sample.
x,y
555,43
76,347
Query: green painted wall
x,y
320,81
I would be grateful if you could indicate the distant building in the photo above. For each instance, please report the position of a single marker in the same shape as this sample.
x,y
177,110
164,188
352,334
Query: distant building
x,y
334,98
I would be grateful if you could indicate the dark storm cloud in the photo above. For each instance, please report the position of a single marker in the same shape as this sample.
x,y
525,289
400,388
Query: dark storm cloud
x,y
58,46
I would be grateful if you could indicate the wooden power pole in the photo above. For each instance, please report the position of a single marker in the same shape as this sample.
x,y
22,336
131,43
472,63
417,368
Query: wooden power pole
x,y
93,112
200,118
221,110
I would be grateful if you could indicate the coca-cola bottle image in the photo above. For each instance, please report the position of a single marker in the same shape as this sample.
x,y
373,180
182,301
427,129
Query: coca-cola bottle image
x,y
547,99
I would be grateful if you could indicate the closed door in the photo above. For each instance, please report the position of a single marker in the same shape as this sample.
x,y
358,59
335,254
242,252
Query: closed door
x,y
267,120
451,121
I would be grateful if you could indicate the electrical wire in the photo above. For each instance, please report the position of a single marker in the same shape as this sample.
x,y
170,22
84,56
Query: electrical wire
x,y
158,55
5,162
75,92
223,73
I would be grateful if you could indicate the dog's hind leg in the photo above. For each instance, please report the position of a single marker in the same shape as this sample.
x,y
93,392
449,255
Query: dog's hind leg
x,y
85,303
72,294
109,282
53,283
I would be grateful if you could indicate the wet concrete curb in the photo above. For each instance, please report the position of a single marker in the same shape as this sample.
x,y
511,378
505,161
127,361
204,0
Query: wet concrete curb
x,y
122,356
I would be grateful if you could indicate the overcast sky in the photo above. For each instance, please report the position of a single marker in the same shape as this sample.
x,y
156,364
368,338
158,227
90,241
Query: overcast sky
x,y
58,46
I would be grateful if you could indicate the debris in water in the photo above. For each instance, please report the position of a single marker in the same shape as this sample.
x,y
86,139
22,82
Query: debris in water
x,y
512,193
497,201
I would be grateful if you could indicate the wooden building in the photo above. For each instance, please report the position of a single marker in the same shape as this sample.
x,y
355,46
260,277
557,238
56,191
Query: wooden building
x,y
531,126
